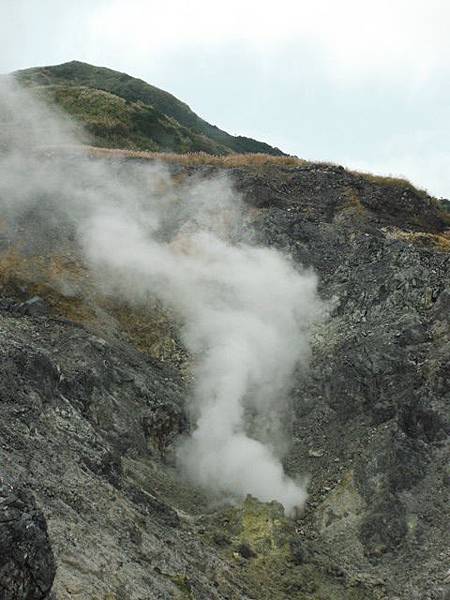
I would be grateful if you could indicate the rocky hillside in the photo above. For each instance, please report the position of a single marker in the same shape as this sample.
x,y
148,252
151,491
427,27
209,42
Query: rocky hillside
x,y
93,398
120,111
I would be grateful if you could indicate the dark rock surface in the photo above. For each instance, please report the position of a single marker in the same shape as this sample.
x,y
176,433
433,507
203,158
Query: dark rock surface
x,y
88,421
73,428
376,400
27,565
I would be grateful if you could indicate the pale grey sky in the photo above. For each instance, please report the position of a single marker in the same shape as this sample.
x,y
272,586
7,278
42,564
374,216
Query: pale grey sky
x,y
362,83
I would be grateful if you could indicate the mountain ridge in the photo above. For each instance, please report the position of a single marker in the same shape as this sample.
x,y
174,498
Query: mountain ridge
x,y
148,118
95,383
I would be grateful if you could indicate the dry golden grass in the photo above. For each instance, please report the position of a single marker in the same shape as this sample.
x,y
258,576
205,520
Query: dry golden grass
x,y
389,181
149,328
383,180
228,161
44,276
69,289
434,241
190,159
202,158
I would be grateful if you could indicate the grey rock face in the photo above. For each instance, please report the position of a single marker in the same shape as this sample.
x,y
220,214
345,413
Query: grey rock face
x,y
376,399
89,423
27,565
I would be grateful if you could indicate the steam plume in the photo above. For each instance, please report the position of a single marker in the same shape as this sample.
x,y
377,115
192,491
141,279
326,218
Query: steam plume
x,y
246,311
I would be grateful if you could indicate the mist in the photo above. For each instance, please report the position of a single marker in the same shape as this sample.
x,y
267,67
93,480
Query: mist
x,y
245,311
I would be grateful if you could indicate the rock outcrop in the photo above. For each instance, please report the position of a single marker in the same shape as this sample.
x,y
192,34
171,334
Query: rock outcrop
x,y
27,565
89,419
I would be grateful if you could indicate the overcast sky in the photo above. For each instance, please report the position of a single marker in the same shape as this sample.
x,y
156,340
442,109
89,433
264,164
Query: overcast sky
x,y
361,83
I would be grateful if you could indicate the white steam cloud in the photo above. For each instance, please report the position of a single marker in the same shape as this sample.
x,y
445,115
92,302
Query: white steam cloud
x,y
246,311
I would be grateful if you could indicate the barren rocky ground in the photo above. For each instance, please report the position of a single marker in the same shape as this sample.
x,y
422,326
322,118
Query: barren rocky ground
x,y
92,398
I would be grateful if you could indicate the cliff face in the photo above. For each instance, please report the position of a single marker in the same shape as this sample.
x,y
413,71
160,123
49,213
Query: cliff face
x,y
93,399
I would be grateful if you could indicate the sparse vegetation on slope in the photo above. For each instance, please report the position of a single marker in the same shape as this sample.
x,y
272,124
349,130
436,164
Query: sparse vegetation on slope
x,y
194,159
114,122
132,113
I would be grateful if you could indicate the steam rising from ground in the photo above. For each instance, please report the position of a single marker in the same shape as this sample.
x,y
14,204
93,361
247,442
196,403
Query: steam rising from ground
x,y
246,310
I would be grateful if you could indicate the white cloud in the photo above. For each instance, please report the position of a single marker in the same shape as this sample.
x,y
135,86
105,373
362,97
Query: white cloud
x,y
353,37
427,171
350,81
422,156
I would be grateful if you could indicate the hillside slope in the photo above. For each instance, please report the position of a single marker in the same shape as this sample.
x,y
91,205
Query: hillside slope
x,y
93,399
131,113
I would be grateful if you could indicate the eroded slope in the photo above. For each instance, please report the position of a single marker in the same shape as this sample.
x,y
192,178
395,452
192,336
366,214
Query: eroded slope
x,y
91,413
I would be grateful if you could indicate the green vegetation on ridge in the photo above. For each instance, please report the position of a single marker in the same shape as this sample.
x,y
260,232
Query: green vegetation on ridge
x,y
120,110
